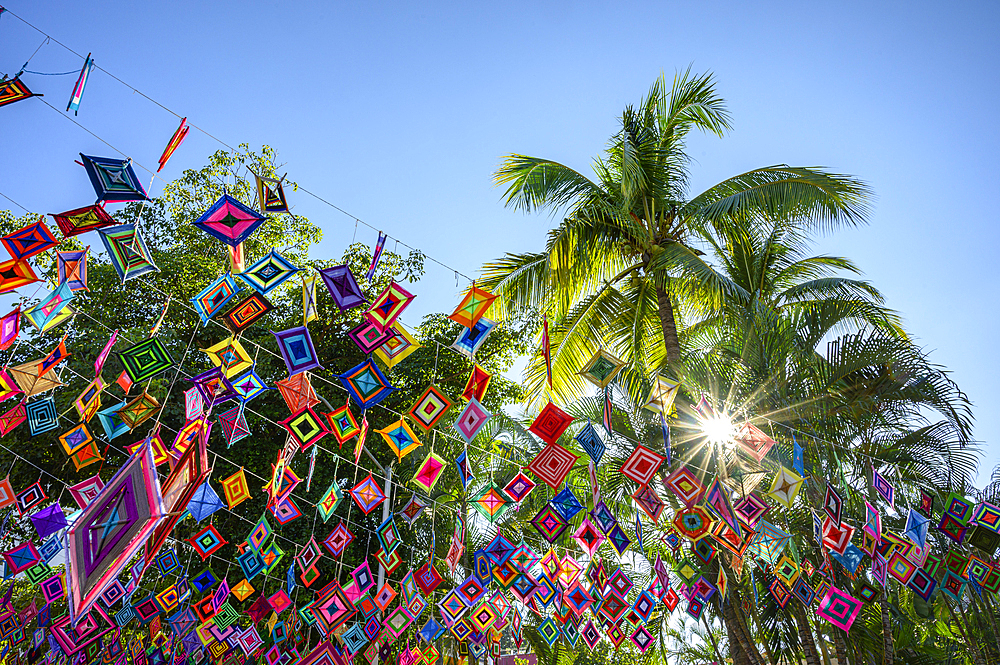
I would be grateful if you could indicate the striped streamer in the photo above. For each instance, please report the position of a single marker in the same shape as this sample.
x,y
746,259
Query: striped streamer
x,y
81,83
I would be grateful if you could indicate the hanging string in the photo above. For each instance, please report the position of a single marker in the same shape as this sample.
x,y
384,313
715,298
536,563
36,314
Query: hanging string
x,y
102,140
75,71
25,65
837,446
15,203
226,145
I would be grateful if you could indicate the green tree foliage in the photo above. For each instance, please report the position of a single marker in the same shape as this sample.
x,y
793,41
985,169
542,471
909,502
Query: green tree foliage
x,y
188,260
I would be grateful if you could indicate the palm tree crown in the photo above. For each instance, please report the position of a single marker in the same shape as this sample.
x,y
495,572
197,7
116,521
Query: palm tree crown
x,y
628,241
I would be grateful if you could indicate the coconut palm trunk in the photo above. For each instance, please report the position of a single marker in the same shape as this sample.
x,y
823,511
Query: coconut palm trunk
x,y
888,649
963,628
668,323
805,634
731,616
736,651
840,646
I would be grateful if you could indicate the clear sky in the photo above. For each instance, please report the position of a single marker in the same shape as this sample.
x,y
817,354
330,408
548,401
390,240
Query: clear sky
x,y
399,112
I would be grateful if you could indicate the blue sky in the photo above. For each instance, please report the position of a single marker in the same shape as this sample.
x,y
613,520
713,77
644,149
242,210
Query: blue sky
x,y
399,113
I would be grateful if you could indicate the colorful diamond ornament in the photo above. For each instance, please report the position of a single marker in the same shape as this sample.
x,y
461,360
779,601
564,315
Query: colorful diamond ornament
x,y
591,442
81,220
146,359
642,465
389,305
229,220
113,528
71,267
491,503
429,408
342,285
342,424
230,356
549,523
268,273
127,251
462,465
297,350
234,424
113,179
331,499
474,305
550,423
305,427
839,608
244,314
397,347
367,384
400,438
367,494
470,339
13,275
472,419
45,315
602,368
215,296
785,487
552,464
519,487
429,472
29,241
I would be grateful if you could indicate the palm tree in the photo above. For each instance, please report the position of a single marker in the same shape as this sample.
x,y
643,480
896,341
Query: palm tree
x,y
721,288
872,398
627,244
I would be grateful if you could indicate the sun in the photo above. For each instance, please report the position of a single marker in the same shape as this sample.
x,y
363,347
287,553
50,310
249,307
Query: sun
x,y
718,429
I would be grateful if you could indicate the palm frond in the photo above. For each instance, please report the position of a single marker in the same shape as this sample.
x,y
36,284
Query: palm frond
x,y
534,183
815,198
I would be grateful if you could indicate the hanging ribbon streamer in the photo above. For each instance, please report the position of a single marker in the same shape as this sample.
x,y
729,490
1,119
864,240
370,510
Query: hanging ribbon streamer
x,y
159,321
546,351
81,83
103,355
376,255
817,528
312,467
309,299
175,142
430,560
666,438
798,461
360,445
593,483
638,533
5,528
607,411
840,474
